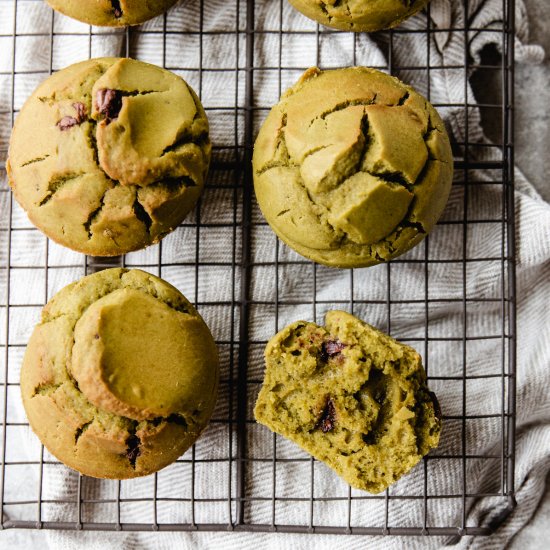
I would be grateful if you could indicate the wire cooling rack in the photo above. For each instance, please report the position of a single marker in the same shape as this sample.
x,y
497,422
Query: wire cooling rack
x,y
214,258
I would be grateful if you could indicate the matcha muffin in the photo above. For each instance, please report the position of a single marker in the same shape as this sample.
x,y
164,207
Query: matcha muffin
x,y
111,13
359,15
120,377
352,397
109,155
352,167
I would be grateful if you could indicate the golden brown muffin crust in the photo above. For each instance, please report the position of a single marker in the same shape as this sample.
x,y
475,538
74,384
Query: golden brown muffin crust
x,y
352,167
359,15
111,13
109,155
120,376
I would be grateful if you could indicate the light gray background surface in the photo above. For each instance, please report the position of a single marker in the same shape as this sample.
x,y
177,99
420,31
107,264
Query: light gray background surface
x,y
532,99
532,141
533,157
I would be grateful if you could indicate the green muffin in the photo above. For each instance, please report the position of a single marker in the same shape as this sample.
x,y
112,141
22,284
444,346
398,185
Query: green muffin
x,y
359,15
111,13
352,167
352,397
109,155
120,377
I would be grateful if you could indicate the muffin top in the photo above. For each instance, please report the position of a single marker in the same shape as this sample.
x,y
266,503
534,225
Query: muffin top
x,y
111,13
352,167
359,15
109,155
351,396
129,366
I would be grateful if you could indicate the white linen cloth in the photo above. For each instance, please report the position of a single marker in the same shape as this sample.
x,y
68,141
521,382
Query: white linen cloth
x,y
407,282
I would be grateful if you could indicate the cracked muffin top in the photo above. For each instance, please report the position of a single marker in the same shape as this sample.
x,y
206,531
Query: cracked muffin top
x,y
352,397
352,167
359,15
109,155
111,13
120,377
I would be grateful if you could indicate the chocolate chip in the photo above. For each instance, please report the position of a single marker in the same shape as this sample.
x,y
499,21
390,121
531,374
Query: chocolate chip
x,y
108,102
67,122
328,418
133,449
369,438
437,406
117,10
177,419
81,111
380,395
330,348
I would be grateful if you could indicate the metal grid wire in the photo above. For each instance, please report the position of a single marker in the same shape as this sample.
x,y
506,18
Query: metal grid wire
x,y
223,291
